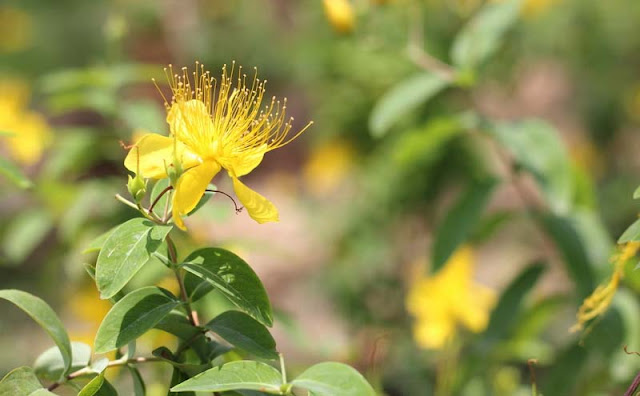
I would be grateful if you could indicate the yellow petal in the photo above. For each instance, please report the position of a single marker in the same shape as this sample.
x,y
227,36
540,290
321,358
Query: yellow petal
x,y
241,164
191,123
260,209
151,155
190,188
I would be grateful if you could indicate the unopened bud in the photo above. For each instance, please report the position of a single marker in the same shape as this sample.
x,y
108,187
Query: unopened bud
x,y
137,187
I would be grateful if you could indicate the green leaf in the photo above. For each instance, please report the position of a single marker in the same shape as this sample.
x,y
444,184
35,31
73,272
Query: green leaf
x,y
536,147
98,387
28,230
14,174
127,250
242,374
460,221
484,33
402,99
99,241
177,324
139,388
233,277
332,379
46,318
631,234
50,365
21,381
132,316
504,315
244,332
176,378
188,368
636,193
564,235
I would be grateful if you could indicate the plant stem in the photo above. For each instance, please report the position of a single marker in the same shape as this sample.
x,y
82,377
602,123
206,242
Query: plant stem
x,y
173,256
634,386
283,369
532,370
114,363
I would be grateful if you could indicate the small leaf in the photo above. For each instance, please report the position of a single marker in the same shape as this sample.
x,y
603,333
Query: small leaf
x,y
99,241
127,250
242,374
132,316
402,99
46,318
139,388
510,303
536,148
636,193
460,221
563,233
484,33
631,234
188,368
232,276
14,174
99,365
98,387
244,332
177,324
49,365
332,379
21,381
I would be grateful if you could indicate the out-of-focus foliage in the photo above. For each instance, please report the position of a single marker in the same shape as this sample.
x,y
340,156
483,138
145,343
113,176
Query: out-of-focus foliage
x,y
506,126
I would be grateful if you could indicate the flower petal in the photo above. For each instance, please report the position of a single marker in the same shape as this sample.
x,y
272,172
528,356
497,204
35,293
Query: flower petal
x,y
191,123
260,209
243,163
190,188
155,153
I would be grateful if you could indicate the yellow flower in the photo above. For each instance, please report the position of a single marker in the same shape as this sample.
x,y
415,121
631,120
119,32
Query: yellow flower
x,y
600,300
210,132
450,298
340,14
27,132
328,166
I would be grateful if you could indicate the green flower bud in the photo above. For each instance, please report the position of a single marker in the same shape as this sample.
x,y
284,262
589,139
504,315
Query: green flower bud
x,y
137,187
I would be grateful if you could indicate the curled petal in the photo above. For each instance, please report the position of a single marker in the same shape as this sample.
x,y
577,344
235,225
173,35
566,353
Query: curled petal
x,y
151,155
260,209
190,188
243,163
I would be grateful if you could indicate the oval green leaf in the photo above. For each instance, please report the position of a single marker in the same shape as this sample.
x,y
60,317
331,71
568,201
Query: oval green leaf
x,y
233,277
402,99
42,313
242,374
333,379
50,365
631,234
460,221
484,33
132,316
21,381
98,387
127,250
244,332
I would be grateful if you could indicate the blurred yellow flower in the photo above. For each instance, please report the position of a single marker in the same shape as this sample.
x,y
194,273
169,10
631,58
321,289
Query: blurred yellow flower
x,y
600,300
15,29
25,133
450,298
208,134
327,166
340,14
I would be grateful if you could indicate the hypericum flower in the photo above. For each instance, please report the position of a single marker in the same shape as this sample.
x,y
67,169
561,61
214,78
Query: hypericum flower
x,y
441,302
25,133
600,300
212,131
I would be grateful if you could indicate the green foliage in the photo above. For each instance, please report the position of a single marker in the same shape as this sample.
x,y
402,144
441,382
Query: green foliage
x,y
132,316
98,387
329,378
50,364
42,313
232,276
245,333
125,252
14,174
243,374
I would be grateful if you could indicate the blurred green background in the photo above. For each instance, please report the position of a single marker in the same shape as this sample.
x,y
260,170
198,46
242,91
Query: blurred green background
x,y
368,194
